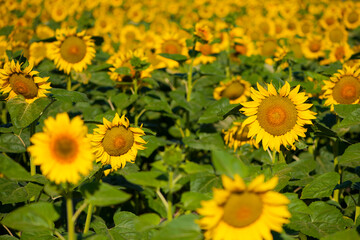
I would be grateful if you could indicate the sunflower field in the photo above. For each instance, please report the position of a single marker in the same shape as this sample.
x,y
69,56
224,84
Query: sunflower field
x,y
179,120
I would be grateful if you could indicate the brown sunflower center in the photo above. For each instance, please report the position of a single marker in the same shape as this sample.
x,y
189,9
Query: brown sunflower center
x,y
65,148
306,27
353,17
330,21
314,46
118,141
269,48
277,115
242,135
241,49
73,49
233,91
23,85
278,28
242,209
171,47
336,35
347,90
339,53
205,49
265,28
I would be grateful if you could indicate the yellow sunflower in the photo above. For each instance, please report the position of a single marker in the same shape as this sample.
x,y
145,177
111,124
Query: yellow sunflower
x,y
236,136
15,81
116,143
244,212
352,18
72,51
237,90
62,149
277,118
203,31
343,87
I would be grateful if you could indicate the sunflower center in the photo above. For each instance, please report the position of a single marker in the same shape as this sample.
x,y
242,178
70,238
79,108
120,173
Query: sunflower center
x,y
330,21
117,141
233,91
314,46
205,49
243,135
306,27
339,53
278,28
171,47
336,35
73,49
269,48
23,85
242,209
347,90
353,17
241,49
65,149
277,115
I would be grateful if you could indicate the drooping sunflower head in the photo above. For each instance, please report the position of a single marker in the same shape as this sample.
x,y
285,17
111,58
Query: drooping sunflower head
x,y
277,118
343,87
17,81
237,136
251,212
237,90
62,149
116,143
72,50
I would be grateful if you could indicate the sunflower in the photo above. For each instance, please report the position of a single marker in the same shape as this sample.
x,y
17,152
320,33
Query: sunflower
x,y
237,90
15,81
203,31
277,118
244,212
62,149
336,34
352,18
116,143
72,51
236,136
343,87
38,52
313,47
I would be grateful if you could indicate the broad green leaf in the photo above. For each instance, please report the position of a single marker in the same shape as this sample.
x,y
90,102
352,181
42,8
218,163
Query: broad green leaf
x,y
11,143
181,228
34,217
7,237
156,104
102,79
99,226
351,156
5,31
350,113
321,186
23,113
191,200
175,57
216,111
191,168
206,141
123,100
344,110
103,194
38,235
65,95
204,183
12,192
13,170
147,221
349,234
152,144
149,179
124,226
211,69
226,163
123,70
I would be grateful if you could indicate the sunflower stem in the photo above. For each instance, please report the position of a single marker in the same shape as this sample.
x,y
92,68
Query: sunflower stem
x,y
32,165
273,157
290,73
136,120
68,83
169,197
337,169
189,80
88,218
70,222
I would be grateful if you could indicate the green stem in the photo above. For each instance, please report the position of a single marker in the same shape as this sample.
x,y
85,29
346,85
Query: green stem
x,y
290,73
135,83
169,197
273,157
189,80
70,222
32,132
68,83
59,235
336,168
357,209
88,218
136,120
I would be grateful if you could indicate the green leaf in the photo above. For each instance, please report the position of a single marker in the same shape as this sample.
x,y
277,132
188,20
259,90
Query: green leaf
x,y
11,143
123,70
103,194
172,156
123,100
156,104
321,186
7,237
147,221
102,79
13,170
34,217
5,31
349,234
149,179
23,113
181,228
12,192
65,95
152,144
350,113
204,183
211,69
191,200
216,111
206,141
124,226
175,57
351,156
228,164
